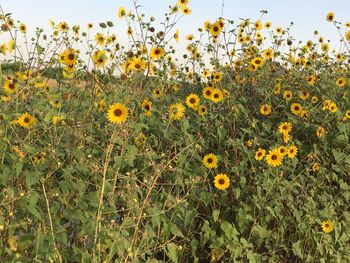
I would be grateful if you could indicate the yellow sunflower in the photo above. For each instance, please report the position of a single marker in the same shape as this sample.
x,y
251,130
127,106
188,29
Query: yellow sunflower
x,y
296,108
287,95
146,107
121,12
117,113
10,86
217,95
26,120
176,111
221,181
292,151
202,110
207,92
330,17
260,154
265,109
258,62
157,53
274,158
341,82
192,101
327,226
320,132
99,58
285,127
210,161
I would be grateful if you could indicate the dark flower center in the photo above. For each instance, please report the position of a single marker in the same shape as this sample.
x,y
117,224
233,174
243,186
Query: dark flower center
x,y
71,57
274,157
221,181
26,120
118,112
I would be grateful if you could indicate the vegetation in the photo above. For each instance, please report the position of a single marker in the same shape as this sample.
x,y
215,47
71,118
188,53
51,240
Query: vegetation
x,y
237,152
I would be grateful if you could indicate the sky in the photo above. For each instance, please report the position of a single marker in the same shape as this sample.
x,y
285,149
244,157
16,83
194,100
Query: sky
x,y
307,15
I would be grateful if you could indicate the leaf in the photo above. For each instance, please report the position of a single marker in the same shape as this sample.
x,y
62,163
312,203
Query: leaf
x,y
175,230
110,23
172,252
103,25
297,249
32,178
216,214
18,167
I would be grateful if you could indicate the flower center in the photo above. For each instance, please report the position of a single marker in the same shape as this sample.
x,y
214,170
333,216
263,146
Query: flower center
x,y
118,112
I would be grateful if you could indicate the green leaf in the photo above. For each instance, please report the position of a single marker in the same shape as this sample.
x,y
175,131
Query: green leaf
x,y
172,252
216,214
297,249
32,178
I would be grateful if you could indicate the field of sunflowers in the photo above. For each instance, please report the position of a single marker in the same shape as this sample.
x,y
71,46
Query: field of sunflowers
x,y
233,150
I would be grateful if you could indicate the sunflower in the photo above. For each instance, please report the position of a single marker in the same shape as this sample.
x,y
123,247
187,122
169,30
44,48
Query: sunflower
x,y
327,226
63,27
182,2
117,113
292,151
100,39
341,82
176,36
216,76
287,95
137,64
176,111
221,181
320,131
274,158
207,92
146,107
22,28
283,150
347,35
315,167
311,80
285,127
140,139
217,95
330,17
68,57
156,53
121,12
260,154
192,101
210,161
26,120
332,107
314,99
10,86
296,108
186,10
202,110
268,54
258,62
215,29
101,105
157,93
99,58
304,95
265,109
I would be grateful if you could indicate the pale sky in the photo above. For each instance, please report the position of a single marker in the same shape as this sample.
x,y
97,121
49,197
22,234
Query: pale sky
x,y
307,15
